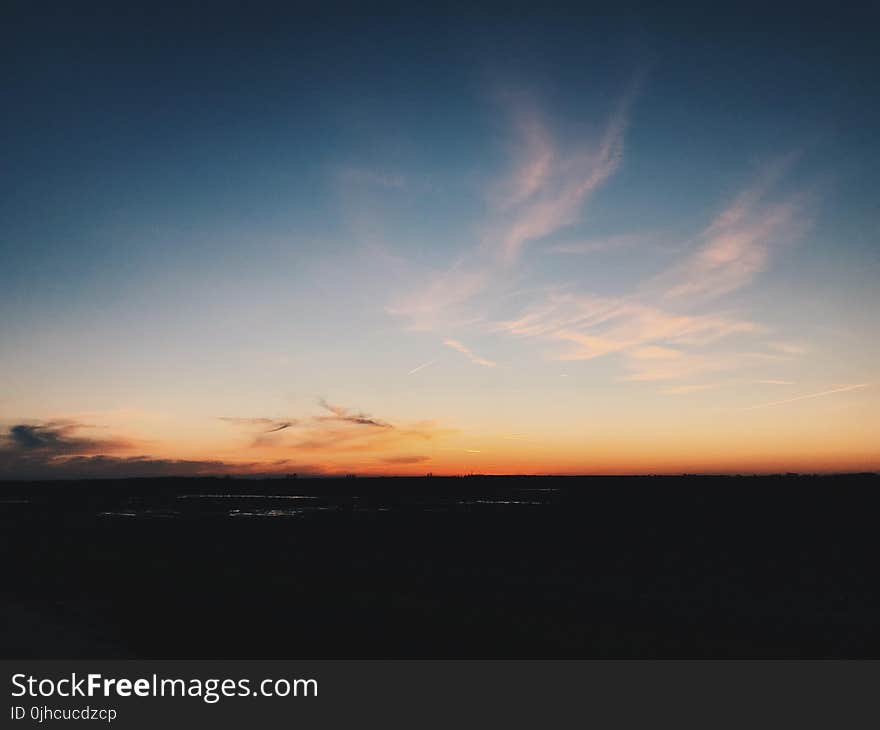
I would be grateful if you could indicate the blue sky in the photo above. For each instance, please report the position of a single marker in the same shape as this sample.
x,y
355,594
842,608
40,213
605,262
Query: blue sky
x,y
532,239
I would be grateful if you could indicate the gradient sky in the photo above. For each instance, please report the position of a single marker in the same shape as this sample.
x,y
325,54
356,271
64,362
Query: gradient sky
x,y
526,240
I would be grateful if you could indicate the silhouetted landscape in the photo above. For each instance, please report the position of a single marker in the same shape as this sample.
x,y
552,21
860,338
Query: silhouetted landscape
x,y
519,567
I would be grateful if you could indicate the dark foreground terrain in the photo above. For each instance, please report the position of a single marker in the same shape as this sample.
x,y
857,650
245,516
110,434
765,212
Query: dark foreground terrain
x,y
434,567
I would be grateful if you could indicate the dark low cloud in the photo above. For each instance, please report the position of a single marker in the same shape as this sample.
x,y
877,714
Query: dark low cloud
x,y
271,425
268,427
342,432
56,438
59,450
280,427
39,450
71,450
103,466
113,467
406,459
343,414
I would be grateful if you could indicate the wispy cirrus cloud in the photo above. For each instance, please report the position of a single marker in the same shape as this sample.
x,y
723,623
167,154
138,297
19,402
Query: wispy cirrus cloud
x,y
689,365
661,330
444,298
599,326
547,188
536,155
544,192
740,242
469,354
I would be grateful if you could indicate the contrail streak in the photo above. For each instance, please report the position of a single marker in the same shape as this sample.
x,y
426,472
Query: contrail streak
x,y
843,389
422,366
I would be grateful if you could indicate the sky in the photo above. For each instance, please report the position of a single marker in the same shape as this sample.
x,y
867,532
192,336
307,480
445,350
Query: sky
x,y
402,240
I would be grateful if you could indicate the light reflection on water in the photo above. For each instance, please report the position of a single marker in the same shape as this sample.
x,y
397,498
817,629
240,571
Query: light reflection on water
x,y
265,505
264,513
246,496
498,501
140,513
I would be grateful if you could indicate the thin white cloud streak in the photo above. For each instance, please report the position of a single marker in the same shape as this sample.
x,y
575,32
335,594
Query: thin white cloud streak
x,y
774,382
467,352
842,389
421,367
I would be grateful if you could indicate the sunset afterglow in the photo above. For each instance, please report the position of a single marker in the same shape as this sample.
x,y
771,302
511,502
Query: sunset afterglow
x,y
566,249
